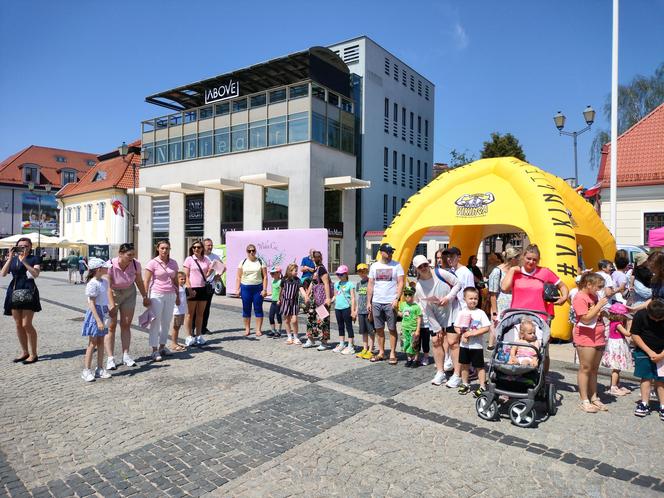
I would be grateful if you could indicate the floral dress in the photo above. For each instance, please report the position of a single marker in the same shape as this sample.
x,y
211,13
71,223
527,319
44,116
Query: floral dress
x,y
503,299
315,326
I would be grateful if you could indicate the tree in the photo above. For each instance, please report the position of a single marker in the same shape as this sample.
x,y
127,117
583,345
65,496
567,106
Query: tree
x,y
635,101
460,158
502,146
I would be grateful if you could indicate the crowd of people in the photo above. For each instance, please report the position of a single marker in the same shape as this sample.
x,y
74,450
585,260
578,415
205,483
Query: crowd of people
x,y
617,314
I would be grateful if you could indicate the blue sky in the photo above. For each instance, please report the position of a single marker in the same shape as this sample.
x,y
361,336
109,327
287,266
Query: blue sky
x,y
74,74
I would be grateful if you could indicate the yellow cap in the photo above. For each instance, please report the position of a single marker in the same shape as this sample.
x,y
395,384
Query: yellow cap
x,y
362,266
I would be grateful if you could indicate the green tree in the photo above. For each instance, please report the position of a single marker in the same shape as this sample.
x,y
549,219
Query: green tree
x,y
502,146
635,101
460,158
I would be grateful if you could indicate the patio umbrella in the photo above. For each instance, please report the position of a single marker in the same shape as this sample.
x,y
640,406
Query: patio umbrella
x,y
44,240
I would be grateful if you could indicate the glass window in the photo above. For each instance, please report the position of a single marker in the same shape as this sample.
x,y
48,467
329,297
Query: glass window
x,y
190,116
68,176
258,134
148,125
277,130
78,214
222,141
102,210
163,122
175,149
333,99
277,95
333,207
240,105
258,100
88,212
298,127
347,105
333,133
189,146
205,144
347,139
222,109
175,120
318,92
318,132
205,112
233,206
651,221
68,215
387,107
295,92
239,137
161,152
276,204
148,154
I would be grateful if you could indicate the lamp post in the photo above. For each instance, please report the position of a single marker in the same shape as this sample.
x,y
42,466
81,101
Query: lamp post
x,y
31,188
123,150
559,120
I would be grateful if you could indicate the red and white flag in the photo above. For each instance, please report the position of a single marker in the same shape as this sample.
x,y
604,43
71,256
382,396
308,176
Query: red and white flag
x,y
118,207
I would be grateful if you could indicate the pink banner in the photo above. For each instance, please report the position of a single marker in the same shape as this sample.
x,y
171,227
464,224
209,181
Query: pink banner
x,y
275,247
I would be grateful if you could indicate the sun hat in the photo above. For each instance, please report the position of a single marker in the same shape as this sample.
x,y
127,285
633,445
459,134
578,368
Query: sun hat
x,y
419,260
342,270
618,309
95,263
640,258
512,252
362,266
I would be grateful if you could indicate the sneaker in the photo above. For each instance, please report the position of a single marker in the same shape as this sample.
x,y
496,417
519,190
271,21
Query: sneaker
x,y
439,379
309,344
110,363
463,388
367,355
425,361
361,353
297,341
156,356
323,347
478,392
190,341
270,333
101,373
448,365
276,334
128,360
642,409
87,375
453,381
653,395
409,364
661,414
340,347
350,349
615,391
200,340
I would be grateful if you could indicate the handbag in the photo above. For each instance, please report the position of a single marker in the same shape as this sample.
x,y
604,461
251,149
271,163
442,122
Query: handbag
x,y
21,297
551,293
319,289
208,286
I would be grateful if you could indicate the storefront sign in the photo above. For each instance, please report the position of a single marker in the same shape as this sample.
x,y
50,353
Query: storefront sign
x,y
227,90
335,230
193,221
40,213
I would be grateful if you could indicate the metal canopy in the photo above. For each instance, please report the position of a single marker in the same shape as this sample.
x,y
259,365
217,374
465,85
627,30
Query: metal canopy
x,y
317,63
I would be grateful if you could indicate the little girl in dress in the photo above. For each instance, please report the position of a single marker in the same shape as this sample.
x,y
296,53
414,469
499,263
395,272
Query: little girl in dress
x,y
525,355
617,355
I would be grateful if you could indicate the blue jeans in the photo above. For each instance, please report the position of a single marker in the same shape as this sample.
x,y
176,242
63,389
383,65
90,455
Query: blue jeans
x,y
251,295
345,321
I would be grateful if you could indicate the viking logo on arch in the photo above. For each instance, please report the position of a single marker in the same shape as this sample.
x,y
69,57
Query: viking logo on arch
x,y
474,205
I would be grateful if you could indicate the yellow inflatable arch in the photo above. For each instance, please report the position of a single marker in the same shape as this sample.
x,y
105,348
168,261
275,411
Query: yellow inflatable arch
x,y
501,195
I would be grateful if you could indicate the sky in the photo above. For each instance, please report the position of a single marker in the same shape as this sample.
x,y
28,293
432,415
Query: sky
x,y
74,74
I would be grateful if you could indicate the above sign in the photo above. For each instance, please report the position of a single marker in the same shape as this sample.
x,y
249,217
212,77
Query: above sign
x,y
224,91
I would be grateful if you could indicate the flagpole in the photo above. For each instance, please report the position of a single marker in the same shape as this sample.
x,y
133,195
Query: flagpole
x,y
614,123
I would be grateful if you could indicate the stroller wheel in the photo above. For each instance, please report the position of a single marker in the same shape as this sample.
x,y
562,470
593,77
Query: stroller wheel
x,y
520,417
551,406
486,410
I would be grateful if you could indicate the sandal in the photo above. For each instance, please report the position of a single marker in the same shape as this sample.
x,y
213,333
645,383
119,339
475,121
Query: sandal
x,y
21,358
393,361
600,406
588,407
377,358
177,347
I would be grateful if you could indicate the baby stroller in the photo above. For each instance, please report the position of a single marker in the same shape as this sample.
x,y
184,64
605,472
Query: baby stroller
x,y
522,384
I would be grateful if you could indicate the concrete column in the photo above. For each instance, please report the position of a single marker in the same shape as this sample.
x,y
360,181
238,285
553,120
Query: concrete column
x,y
144,230
348,218
253,207
212,218
298,205
176,226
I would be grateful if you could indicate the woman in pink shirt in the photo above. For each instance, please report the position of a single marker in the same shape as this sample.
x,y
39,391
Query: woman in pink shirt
x,y
197,268
160,279
124,276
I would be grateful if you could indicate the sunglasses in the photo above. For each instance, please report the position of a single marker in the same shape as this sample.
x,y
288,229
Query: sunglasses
x,y
197,247
251,250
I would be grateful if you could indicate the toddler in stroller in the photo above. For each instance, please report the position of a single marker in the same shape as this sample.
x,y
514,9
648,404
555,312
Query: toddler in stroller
x,y
516,369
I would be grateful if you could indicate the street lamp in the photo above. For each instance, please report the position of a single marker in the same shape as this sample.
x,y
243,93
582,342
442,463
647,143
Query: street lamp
x,y
559,120
31,188
123,150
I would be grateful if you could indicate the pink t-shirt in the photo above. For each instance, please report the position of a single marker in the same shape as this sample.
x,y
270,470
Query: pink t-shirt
x,y
195,277
581,303
162,275
528,289
614,333
123,279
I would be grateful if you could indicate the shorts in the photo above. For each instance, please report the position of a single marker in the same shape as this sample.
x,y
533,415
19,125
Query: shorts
x,y
366,326
587,337
72,271
201,294
125,299
474,357
384,314
449,330
178,320
433,333
644,367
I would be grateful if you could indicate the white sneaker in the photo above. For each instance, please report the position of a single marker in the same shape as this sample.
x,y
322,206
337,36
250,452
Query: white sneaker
x,y
439,379
200,340
449,364
309,344
87,375
101,373
110,363
128,360
296,340
350,349
323,347
340,347
454,381
190,340
156,356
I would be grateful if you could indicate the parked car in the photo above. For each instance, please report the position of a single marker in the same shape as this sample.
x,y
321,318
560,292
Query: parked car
x,y
632,251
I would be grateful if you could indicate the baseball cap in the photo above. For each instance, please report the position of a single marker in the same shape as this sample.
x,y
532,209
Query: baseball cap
x,y
342,270
511,253
362,266
95,263
420,260
386,248
640,258
275,269
454,251
408,291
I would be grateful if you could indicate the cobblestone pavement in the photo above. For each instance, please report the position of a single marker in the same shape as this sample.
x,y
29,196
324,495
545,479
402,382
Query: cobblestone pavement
x,y
255,417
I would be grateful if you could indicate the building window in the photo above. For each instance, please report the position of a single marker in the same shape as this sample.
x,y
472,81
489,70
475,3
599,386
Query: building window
x,y
403,170
410,175
240,105
650,221
426,172
404,78
68,176
333,133
205,113
222,109
318,92
68,215
88,212
386,125
222,144
419,173
161,152
412,83
258,100
395,117
333,99
78,214
298,127
426,134
205,144
384,210
394,206
348,138
239,137
175,149
426,92
232,207
277,95
148,151
403,124
99,176
175,120
189,117
298,91
419,88
333,208
275,206
30,174
258,134
318,131
160,215
403,202
387,66
386,165
419,131
396,72
189,146
394,167
91,163
412,120
60,159
276,128
102,210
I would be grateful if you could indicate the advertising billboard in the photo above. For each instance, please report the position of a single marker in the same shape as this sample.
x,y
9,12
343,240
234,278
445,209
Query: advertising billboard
x,y
39,215
275,247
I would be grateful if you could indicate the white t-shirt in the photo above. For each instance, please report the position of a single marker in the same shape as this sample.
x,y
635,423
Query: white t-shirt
x,y
434,316
182,308
98,290
467,279
385,276
608,282
252,271
478,320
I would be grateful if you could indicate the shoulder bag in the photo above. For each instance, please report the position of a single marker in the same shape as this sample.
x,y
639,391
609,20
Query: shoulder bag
x,y
208,286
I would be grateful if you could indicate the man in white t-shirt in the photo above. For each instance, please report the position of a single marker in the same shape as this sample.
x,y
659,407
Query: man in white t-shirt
x,y
465,276
386,278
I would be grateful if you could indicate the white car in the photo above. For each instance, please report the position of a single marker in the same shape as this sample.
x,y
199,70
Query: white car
x,y
632,251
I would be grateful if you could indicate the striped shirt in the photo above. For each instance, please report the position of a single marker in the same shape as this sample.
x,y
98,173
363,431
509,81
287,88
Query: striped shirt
x,y
289,289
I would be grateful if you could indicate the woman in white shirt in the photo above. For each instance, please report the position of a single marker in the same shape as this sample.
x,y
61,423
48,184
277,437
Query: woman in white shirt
x,y
252,281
